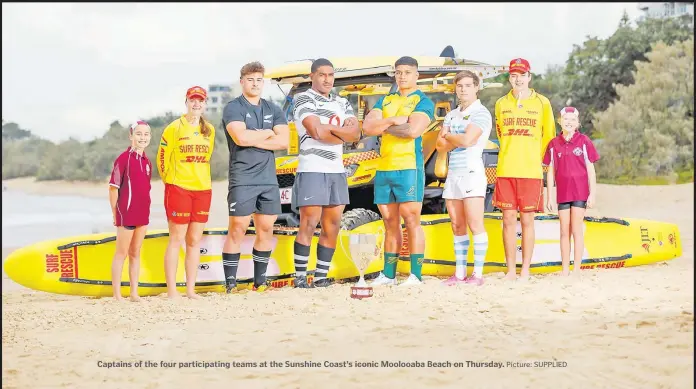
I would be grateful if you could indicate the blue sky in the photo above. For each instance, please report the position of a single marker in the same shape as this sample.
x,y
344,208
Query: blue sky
x,y
70,69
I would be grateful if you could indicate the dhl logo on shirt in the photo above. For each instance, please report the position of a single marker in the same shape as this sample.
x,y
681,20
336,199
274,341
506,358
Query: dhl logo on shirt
x,y
518,132
187,150
195,159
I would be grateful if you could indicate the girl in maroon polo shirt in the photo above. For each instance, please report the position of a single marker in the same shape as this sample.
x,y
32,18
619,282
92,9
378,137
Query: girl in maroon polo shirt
x,y
571,157
129,195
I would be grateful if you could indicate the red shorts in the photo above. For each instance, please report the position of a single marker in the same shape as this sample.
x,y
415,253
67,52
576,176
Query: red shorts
x,y
185,206
523,194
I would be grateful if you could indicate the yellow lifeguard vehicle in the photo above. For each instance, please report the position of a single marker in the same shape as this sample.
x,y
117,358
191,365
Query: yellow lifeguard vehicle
x,y
363,81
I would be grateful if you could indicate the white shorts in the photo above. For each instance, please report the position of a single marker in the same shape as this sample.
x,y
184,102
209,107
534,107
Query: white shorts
x,y
473,184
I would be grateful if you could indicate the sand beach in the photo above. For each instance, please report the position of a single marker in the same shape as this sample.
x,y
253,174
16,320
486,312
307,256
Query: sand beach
x,y
607,328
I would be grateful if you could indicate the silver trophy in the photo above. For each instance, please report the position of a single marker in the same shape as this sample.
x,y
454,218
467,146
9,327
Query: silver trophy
x,y
364,248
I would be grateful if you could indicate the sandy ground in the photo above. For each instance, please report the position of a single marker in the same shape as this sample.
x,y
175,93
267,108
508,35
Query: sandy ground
x,y
613,328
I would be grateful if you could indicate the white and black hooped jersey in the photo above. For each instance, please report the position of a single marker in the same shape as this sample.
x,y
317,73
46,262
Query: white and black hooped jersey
x,y
317,156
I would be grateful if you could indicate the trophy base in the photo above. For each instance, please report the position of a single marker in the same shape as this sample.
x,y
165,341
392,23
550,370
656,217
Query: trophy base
x,y
360,292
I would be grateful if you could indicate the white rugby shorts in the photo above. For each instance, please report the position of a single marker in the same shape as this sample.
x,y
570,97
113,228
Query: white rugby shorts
x,y
472,183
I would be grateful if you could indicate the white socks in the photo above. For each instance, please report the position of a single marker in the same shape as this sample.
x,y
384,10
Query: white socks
x,y
461,251
480,249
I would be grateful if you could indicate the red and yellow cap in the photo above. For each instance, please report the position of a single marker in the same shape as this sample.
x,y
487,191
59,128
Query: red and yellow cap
x,y
519,65
196,91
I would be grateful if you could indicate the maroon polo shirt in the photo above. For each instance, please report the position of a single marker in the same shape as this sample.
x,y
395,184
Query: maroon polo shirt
x,y
131,175
570,160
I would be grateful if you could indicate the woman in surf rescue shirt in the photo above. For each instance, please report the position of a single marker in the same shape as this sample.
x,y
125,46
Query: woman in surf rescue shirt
x,y
571,157
129,195
183,161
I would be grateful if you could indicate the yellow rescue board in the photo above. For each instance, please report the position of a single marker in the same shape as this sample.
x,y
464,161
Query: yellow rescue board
x,y
82,265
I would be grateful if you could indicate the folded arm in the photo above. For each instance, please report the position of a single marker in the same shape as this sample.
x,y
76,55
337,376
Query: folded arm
x,y
247,138
278,141
349,132
443,145
417,123
374,124
467,139
321,132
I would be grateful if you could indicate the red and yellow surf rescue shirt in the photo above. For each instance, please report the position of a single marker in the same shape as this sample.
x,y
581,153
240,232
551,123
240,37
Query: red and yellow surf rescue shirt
x,y
183,156
524,130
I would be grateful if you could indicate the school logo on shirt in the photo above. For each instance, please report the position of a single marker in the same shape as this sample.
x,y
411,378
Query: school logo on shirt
x,y
577,151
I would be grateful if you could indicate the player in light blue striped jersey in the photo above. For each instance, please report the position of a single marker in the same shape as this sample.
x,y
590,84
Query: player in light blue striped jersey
x,y
464,136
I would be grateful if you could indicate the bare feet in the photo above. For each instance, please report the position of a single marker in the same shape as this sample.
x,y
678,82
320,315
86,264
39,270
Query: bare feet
x,y
135,298
565,272
510,276
118,298
193,296
524,275
174,296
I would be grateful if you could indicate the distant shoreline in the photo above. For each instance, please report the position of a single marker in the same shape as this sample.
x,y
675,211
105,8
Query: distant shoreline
x,y
100,190
29,185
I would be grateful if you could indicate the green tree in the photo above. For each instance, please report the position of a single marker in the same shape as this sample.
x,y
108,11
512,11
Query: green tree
x,y
598,66
648,131
12,131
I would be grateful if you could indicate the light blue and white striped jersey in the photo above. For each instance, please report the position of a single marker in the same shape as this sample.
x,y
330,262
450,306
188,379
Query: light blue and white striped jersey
x,y
463,158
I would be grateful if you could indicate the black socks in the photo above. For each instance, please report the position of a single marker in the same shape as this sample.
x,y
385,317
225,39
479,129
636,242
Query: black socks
x,y
260,265
230,262
324,257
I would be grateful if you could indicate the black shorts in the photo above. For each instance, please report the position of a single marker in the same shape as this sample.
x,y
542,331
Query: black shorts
x,y
247,199
129,227
576,204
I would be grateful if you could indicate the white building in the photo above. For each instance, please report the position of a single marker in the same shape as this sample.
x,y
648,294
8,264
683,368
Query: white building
x,y
665,10
219,95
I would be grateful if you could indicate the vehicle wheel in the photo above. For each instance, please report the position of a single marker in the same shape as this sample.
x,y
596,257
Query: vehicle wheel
x,y
357,217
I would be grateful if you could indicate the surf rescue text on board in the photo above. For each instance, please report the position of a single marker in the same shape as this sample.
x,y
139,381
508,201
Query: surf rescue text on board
x,y
64,263
608,265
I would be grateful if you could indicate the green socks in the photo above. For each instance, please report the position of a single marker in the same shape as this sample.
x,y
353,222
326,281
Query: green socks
x,y
390,260
416,265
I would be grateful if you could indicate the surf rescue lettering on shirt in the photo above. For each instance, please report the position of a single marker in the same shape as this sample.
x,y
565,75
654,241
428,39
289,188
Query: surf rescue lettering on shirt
x,y
184,155
525,122
64,263
184,149
524,130
200,153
